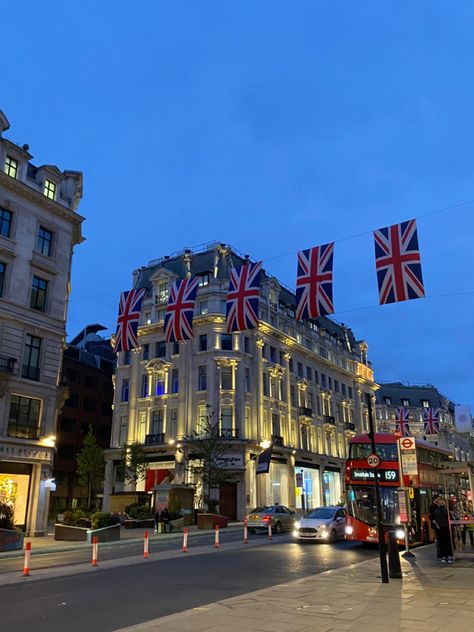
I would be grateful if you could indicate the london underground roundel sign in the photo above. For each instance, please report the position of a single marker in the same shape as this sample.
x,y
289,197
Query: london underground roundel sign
x,y
374,460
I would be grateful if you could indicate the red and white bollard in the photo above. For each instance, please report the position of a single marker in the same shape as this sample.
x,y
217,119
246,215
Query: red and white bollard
x,y
95,550
246,525
26,565
216,536
185,540
270,531
145,544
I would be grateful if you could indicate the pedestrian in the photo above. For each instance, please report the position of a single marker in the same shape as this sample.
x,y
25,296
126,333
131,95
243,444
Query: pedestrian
x,y
157,520
468,528
166,520
441,523
434,505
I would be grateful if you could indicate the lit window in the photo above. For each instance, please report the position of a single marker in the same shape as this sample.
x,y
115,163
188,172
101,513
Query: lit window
x,y
162,294
425,403
406,403
11,166
203,307
203,280
44,241
24,417
160,315
49,189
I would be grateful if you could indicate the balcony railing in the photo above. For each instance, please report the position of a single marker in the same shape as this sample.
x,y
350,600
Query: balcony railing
x,y
229,433
153,439
277,440
304,411
30,372
329,420
7,365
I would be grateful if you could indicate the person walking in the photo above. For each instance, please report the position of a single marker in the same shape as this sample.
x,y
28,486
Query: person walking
x,y
441,523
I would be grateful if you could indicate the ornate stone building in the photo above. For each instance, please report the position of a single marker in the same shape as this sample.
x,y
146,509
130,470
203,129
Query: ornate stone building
x,y
415,399
298,386
39,227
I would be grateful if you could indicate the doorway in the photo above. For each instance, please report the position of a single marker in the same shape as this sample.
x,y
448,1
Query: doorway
x,y
228,500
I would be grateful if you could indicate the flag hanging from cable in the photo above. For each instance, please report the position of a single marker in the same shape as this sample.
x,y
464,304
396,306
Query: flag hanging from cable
x,y
398,263
243,297
430,421
314,282
402,425
180,310
127,321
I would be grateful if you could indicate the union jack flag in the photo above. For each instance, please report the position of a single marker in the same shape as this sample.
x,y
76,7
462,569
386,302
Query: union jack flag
x,y
127,321
314,282
402,426
243,297
430,421
180,310
398,263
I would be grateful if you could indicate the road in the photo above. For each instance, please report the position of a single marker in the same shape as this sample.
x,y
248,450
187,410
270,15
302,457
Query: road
x,y
108,599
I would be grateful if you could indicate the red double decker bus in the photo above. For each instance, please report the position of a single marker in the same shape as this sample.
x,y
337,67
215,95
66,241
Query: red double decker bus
x,y
360,489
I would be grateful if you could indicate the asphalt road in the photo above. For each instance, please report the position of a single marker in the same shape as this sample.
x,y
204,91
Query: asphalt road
x,y
109,599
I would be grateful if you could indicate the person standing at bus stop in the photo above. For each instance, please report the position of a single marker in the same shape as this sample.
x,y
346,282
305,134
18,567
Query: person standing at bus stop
x,y
434,506
441,523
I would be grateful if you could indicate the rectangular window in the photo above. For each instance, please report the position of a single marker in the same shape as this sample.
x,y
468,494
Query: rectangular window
x,y
203,342
44,241
226,342
203,279
275,424
5,222
265,384
175,348
11,167
350,391
142,426
248,429
160,384
160,349
160,315
157,422
309,374
247,379
226,377
174,380
292,395
310,400
3,269
125,388
202,378
203,308
329,382
425,403
273,354
31,358
282,358
388,401
123,433
173,429
246,344
291,365
39,288
406,403
146,351
127,356
49,189
226,421
147,318
24,417
336,386
343,390
323,380
162,294
144,391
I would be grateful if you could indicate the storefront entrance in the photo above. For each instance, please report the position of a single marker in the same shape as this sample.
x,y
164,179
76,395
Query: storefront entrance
x,y
332,487
307,488
228,500
15,489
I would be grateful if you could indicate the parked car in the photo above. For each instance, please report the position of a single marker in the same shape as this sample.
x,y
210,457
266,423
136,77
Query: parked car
x,y
281,518
324,523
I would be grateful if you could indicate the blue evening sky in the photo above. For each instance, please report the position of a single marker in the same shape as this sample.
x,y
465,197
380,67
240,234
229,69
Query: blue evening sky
x,y
272,126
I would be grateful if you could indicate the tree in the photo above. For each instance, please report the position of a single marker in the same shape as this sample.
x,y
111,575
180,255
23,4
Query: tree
x,y
133,464
90,465
208,448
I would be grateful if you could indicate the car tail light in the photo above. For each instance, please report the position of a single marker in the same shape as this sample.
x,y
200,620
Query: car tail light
x,y
266,518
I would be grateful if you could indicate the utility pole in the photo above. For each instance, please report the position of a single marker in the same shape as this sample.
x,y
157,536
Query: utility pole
x,y
380,531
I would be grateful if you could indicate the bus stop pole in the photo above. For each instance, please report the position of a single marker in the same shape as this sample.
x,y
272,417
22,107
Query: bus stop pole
x,y
380,531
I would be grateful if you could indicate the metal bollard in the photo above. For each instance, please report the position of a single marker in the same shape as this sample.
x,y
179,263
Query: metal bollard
x,y
394,565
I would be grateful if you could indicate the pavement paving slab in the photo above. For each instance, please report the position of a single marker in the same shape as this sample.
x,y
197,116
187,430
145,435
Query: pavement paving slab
x,y
430,596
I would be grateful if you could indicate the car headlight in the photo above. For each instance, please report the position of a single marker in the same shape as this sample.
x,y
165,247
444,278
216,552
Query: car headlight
x,y
297,524
349,529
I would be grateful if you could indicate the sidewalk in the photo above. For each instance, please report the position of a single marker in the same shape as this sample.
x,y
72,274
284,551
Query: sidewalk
x,y
431,596
47,543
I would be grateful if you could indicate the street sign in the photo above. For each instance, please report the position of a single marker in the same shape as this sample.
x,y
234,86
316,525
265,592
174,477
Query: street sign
x,y
374,460
407,448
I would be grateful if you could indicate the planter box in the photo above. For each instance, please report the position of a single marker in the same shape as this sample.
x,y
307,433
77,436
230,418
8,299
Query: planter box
x,y
11,539
139,524
105,534
71,534
209,521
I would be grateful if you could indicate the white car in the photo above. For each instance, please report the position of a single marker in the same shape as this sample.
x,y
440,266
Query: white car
x,y
325,524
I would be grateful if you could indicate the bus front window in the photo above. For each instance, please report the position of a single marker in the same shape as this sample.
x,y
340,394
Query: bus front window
x,y
361,504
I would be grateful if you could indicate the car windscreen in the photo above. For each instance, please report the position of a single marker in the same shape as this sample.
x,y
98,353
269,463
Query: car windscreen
x,y
262,510
324,513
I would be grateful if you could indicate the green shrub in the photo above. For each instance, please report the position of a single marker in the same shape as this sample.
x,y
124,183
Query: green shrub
x,y
139,512
76,518
101,519
6,516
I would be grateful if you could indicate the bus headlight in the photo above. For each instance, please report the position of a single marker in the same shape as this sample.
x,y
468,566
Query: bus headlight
x,y
400,534
349,529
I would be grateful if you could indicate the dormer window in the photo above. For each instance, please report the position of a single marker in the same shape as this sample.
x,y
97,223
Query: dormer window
x,y
162,293
49,189
203,279
406,403
425,403
388,401
11,167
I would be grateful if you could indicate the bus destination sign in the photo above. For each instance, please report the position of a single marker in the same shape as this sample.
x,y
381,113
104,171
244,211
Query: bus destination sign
x,y
386,476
